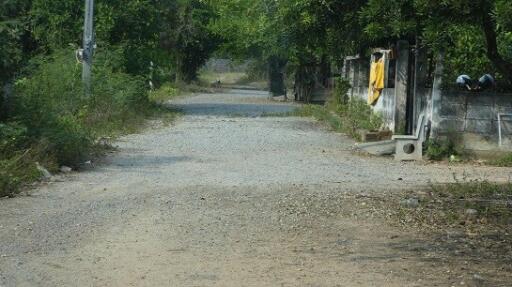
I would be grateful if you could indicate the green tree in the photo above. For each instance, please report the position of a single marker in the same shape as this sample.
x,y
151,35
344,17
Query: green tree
x,y
15,42
191,42
479,29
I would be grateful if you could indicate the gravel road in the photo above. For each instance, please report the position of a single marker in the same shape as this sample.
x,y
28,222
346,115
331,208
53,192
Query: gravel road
x,y
227,196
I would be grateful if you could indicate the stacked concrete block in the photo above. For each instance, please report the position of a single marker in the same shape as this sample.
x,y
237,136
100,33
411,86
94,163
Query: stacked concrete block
x,y
475,117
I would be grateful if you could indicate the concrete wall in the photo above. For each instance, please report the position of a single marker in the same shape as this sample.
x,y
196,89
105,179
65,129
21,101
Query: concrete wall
x,y
470,117
357,71
474,117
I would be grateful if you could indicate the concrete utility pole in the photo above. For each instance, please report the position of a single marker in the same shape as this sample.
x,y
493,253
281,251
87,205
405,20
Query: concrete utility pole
x,y
88,48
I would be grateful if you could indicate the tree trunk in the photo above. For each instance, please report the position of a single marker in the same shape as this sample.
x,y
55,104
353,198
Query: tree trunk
x,y
504,67
178,77
304,83
276,76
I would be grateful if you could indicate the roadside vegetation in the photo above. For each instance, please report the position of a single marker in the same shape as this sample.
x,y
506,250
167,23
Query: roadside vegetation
x,y
55,124
344,115
463,203
504,161
47,120
445,148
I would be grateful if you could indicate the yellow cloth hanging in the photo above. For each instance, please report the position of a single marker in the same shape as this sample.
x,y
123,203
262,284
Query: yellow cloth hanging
x,y
376,81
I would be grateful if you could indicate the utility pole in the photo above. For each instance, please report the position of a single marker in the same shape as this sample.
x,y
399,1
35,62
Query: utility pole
x,y
88,45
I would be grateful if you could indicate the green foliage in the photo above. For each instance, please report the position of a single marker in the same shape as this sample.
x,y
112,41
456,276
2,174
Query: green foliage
x,y
163,94
56,23
12,137
187,38
349,117
13,42
476,35
322,114
50,114
442,148
358,115
340,93
468,42
15,171
505,161
53,114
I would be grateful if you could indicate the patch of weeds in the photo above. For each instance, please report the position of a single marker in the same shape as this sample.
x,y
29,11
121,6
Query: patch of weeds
x,y
505,161
322,114
347,118
21,168
444,148
163,94
344,114
476,204
55,124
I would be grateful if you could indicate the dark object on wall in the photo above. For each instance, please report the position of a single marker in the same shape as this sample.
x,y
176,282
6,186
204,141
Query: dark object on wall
x,y
465,82
485,82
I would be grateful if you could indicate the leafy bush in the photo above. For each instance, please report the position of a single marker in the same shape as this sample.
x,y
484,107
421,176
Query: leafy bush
x,y
359,115
355,113
347,118
164,93
340,93
12,137
55,123
442,148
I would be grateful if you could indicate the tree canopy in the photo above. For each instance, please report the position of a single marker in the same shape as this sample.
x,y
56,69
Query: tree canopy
x,y
181,35
476,35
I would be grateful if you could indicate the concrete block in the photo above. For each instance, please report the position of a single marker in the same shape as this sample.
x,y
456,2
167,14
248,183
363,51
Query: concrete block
x,y
368,136
480,113
451,125
479,99
503,110
385,135
478,142
506,126
407,150
453,98
483,127
507,143
378,148
504,100
453,110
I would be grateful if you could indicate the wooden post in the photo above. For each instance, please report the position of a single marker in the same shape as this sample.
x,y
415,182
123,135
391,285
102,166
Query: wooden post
x,y
401,87
88,45
435,107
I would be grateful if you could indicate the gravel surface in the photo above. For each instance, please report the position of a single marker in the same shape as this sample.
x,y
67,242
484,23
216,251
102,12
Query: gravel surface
x,y
228,196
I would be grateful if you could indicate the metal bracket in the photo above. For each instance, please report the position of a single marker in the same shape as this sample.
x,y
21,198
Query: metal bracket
x,y
499,126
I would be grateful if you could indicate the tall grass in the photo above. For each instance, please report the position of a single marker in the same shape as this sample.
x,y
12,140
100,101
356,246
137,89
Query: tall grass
x,y
54,123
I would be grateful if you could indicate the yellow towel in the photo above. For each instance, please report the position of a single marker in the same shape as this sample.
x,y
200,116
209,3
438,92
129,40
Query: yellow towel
x,y
376,81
